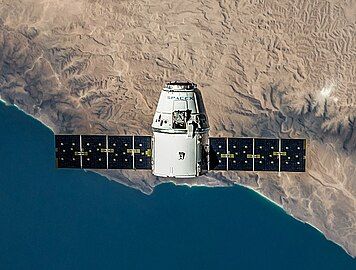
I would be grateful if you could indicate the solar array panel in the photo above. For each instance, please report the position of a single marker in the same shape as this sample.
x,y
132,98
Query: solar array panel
x,y
142,157
241,150
293,155
264,155
119,153
93,148
217,154
103,152
67,151
254,154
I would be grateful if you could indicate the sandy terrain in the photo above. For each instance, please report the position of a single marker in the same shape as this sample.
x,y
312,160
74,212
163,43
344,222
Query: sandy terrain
x,y
265,69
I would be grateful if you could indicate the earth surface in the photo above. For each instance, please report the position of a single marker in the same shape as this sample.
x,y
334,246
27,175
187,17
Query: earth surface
x,y
265,69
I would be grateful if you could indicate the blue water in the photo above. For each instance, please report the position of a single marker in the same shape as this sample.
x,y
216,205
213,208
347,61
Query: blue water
x,y
67,219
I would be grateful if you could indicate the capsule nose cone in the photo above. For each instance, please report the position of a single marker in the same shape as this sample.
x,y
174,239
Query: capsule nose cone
x,y
180,85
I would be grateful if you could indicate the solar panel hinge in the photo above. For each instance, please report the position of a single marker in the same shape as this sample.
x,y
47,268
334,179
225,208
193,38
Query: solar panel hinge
x,y
253,156
135,151
227,155
279,153
81,153
104,150
148,152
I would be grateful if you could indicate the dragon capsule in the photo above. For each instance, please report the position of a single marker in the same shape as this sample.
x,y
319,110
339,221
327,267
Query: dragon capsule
x,y
180,132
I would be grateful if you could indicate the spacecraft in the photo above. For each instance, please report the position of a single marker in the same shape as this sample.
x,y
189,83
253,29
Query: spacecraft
x,y
180,145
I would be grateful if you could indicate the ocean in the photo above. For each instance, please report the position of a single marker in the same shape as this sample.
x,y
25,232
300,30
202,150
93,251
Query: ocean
x,y
71,219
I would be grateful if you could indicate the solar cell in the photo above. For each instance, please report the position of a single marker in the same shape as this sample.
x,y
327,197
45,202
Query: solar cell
x,y
217,154
67,151
143,152
266,155
120,152
240,154
94,152
293,155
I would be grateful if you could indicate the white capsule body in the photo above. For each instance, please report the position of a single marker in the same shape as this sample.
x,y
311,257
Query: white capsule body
x,y
180,132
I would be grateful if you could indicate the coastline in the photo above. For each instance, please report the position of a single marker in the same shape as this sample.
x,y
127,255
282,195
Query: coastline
x,y
189,185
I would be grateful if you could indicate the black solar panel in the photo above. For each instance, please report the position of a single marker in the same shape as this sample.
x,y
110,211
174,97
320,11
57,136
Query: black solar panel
x,y
240,154
67,151
143,152
293,155
217,154
266,155
94,152
120,152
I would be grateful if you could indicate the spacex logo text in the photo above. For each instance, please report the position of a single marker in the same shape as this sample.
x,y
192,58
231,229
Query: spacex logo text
x,y
180,98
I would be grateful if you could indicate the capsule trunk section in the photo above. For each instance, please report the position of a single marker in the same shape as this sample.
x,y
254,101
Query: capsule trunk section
x,y
180,132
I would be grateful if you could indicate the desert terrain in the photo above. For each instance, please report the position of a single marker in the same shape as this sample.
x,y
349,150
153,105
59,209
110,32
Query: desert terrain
x,y
265,69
